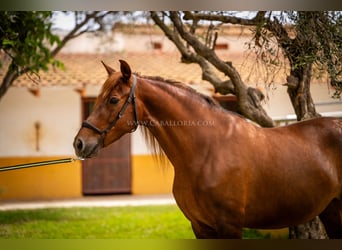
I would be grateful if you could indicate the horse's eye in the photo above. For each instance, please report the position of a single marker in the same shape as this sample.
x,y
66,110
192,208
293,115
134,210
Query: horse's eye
x,y
113,100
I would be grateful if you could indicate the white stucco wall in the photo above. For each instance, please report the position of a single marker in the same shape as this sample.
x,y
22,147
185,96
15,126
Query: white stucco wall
x,y
279,104
57,110
135,42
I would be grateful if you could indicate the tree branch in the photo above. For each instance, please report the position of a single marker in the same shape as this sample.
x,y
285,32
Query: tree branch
x,y
14,72
224,18
202,50
8,79
73,33
204,56
208,74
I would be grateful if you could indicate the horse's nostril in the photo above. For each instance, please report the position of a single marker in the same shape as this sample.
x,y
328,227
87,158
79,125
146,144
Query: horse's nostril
x,y
79,144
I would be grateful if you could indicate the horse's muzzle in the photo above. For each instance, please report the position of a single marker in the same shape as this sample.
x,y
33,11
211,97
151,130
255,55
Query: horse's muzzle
x,y
86,148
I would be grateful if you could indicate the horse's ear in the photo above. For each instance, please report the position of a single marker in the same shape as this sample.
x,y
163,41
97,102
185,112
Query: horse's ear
x,y
125,70
109,69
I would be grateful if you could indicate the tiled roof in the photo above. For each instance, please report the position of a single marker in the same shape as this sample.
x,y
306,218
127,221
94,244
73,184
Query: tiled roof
x,y
86,69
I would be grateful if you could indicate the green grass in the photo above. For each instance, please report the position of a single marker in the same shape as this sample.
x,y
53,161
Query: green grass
x,y
145,222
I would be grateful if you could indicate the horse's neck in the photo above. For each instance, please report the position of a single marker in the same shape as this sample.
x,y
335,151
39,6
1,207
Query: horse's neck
x,y
162,105
175,119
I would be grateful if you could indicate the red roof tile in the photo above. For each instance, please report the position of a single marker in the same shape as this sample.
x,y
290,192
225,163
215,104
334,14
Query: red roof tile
x,y
86,69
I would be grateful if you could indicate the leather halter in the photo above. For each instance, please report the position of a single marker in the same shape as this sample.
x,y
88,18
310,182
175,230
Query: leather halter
x,y
130,99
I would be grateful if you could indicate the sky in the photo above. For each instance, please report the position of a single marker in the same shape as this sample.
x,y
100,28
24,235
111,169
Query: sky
x,y
63,21
66,21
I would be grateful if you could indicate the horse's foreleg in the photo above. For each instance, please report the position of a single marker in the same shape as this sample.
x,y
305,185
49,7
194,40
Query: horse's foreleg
x,y
203,231
331,218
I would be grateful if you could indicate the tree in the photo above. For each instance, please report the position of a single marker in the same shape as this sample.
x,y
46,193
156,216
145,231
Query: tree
x,y
312,43
316,43
308,41
28,40
249,99
22,37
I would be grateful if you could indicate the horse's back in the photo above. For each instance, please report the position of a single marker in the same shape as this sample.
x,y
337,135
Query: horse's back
x,y
316,140
326,135
297,169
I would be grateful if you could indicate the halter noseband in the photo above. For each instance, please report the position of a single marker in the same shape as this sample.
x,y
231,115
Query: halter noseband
x,y
130,99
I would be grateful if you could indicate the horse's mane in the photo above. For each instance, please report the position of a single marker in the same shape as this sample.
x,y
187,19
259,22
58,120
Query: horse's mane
x,y
151,141
181,85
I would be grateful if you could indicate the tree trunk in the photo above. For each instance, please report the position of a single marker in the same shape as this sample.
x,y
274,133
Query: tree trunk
x,y
313,229
299,92
7,81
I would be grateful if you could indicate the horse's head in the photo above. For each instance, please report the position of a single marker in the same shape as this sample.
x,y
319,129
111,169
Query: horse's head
x,y
114,114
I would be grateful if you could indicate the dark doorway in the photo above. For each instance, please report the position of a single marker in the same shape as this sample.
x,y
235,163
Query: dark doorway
x,y
110,171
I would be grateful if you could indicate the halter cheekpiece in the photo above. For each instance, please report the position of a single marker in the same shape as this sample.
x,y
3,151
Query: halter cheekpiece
x,y
130,99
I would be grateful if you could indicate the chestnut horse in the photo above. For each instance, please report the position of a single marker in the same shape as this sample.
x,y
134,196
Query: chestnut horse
x,y
229,173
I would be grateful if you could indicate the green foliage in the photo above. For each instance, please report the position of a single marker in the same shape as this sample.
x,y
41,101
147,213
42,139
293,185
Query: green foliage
x,y
320,38
145,222
302,38
27,38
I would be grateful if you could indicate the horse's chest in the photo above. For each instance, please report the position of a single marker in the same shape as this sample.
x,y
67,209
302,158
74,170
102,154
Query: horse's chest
x,y
201,202
188,201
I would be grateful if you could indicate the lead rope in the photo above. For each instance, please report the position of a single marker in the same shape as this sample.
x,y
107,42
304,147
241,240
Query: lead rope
x,y
39,164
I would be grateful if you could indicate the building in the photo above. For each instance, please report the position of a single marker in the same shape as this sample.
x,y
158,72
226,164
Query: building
x,y
41,116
